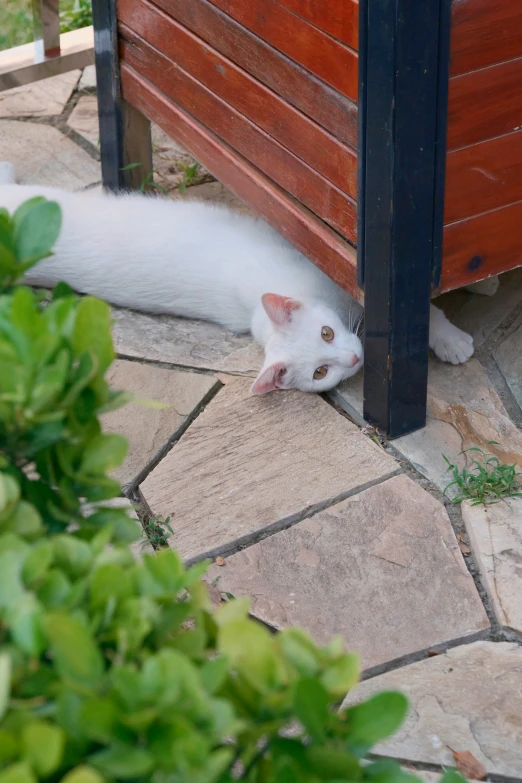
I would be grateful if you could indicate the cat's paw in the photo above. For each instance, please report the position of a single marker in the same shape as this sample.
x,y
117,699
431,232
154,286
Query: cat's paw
x,y
487,287
453,345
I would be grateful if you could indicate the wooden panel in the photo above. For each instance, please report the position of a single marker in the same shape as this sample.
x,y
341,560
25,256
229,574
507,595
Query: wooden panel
x,y
482,246
312,237
485,104
333,62
313,97
484,176
340,19
484,32
255,145
295,131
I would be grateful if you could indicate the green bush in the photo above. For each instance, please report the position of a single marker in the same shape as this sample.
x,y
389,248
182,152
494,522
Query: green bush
x,y
113,669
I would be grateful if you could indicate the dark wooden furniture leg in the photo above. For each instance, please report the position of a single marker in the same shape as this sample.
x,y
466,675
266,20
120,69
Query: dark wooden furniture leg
x,y
124,132
403,73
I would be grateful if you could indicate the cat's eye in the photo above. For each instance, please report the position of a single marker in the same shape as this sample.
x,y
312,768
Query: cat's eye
x,y
320,372
327,334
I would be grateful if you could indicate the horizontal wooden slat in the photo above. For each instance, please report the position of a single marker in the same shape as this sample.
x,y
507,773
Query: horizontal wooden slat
x,y
483,177
333,159
485,104
313,97
482,246
339,19
484,32
332,61
310,235
295,176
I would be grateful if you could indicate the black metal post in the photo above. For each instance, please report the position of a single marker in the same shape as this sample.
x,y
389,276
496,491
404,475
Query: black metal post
x,y
124,132
403,73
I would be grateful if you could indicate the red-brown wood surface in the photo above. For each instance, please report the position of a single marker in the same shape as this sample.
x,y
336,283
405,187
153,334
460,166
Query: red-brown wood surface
x,y
321,54
307,140
484,32
322,245
340,19
484,176
329,108
481,246
295,176
484,104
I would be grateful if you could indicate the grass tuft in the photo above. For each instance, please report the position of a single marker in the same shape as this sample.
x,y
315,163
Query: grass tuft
x,y
486,481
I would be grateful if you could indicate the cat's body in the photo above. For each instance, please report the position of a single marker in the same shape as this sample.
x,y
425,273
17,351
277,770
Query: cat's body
x,y
201,261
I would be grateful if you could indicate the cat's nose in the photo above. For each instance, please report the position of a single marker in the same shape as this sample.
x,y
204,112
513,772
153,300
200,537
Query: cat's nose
x,y
354,360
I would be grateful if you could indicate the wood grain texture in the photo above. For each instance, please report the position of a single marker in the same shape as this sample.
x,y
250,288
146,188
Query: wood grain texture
x,y
309,234
485,104
340,19
483,177
332,61
300,88
483,33
482,246
302,136
291,173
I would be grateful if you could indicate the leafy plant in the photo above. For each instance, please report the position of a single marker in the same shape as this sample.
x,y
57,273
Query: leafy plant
x,y
115,669
80,15
157,530
147,183
487,481
190,172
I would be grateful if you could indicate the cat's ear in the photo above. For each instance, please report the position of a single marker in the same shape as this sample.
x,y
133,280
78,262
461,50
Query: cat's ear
x,y
280,308
267,379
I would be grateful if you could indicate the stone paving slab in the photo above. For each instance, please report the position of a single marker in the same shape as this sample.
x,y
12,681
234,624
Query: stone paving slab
x,y
463,410
42,155
84,119
495,535
468,699
184,342
45,98
148,429
88,78
252,464
508,356
383,569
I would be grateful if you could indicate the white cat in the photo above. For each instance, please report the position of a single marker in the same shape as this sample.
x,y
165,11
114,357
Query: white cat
x,y
202,261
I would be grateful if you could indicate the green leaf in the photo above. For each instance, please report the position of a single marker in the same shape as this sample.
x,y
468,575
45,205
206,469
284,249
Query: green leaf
x,y
376,719
232,610
72,554
11,585
37,562
214,673
83,774
36,230
75,653
342,675
18,773
61,291
109,581
250,649
333,764
43,746
103,454
8,745
5,682
26,520
311,707
123,762
92,331
25,622
98,717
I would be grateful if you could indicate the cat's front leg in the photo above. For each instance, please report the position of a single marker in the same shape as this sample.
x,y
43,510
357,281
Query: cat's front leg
x,y
447,341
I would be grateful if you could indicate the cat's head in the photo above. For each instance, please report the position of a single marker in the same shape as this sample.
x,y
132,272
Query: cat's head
x,y
309,347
